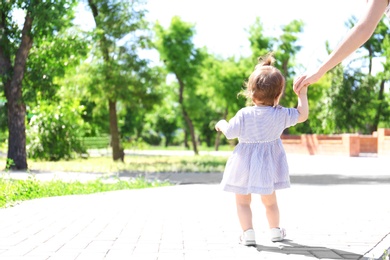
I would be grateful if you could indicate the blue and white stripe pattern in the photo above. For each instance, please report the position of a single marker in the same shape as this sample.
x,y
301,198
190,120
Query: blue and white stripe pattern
x,y
258,163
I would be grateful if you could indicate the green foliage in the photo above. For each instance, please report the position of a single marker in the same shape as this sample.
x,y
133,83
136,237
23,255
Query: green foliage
x,y
222,81
386,254
10,163
166,116
184,61
260,44
358,97
49,60
3,112
135,144
14,190
74,86
54,48
320,119
135,164
177,49
148,110
117,73
151,137
55,131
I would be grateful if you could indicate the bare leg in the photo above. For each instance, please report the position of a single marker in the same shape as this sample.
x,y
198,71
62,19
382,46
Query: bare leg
x,y
244,211
271,209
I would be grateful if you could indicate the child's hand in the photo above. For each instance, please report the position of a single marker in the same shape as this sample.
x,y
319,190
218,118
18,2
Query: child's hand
x,y
303,90
221,125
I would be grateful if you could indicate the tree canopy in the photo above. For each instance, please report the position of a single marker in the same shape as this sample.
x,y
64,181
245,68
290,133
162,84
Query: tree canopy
x,y
61,85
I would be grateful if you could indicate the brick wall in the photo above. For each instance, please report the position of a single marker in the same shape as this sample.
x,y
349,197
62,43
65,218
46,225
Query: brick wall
x,y
344,144
368,143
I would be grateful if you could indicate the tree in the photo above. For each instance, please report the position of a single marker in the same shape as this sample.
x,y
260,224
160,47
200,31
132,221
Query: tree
x,y
55,130
222,81
121,31
166,118
259,43
182,59
43,19
376,47
383,114
357,95
285,53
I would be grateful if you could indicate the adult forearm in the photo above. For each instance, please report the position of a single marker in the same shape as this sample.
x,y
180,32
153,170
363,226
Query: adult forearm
x,y
357,36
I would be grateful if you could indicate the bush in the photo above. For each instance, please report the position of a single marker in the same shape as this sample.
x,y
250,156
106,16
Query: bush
x,y
55,132
152,138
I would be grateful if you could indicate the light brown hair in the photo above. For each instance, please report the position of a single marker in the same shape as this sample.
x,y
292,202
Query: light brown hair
x,y
266,83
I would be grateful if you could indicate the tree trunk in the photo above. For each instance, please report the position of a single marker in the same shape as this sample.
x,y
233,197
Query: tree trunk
x,y
186,117
186,145
218,138
117,152
191,128
16,108
17,131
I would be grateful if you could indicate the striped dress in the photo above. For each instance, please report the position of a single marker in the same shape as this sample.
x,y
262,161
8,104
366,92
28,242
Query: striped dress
x,y
258,163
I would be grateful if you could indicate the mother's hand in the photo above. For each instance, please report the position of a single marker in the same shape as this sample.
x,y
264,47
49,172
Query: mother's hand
x,y
305,80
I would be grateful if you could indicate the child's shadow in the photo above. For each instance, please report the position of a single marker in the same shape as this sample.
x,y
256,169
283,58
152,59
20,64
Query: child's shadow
x,y
288,247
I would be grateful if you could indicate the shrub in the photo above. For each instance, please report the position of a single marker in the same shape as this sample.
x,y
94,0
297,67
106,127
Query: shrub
x,y
55,131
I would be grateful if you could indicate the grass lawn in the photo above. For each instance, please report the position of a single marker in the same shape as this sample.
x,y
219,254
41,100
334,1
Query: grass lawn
x,y
14,191
136,164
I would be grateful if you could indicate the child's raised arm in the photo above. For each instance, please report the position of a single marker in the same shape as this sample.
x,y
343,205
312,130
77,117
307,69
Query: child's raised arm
x,y
222,125
303,105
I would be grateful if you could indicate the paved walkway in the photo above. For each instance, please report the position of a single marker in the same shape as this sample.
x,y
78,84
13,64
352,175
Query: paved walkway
x,y
337,208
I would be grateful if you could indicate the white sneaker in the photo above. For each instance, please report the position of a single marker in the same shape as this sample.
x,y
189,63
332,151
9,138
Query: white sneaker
x,y
248,238
277,234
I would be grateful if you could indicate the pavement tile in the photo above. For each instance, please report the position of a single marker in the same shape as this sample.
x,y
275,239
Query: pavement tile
x,y
336,209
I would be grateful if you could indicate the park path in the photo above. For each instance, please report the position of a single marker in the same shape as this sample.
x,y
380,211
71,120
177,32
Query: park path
x,y
336,208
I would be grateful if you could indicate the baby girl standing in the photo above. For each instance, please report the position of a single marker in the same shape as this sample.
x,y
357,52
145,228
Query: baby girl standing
x,y
258,164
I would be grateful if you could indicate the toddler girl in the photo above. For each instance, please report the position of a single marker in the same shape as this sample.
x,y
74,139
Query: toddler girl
x,y
258,163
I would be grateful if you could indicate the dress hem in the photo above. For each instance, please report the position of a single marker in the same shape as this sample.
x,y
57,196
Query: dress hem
x,y
256,190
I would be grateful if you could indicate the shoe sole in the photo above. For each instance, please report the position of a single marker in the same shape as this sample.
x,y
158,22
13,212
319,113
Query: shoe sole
x,y
277,239
248,243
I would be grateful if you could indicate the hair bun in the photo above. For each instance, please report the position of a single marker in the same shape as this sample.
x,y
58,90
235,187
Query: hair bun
x,y
267,60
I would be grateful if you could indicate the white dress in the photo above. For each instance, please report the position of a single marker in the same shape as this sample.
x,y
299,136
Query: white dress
x,y
258,163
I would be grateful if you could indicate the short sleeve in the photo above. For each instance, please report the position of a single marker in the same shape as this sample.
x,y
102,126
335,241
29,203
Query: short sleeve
x,y
292,115
234,127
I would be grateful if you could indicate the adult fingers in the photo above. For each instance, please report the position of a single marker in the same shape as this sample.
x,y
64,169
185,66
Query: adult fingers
x,y
298,83
298,80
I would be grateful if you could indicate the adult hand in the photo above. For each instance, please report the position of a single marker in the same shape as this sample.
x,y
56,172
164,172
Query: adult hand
x,y
305,80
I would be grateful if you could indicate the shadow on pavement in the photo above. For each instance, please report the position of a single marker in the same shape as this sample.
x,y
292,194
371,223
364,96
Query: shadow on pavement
x,y
333,179
306,179
288,247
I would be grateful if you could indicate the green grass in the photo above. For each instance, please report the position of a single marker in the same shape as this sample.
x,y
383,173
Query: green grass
x,y
133,164
202,148
13,191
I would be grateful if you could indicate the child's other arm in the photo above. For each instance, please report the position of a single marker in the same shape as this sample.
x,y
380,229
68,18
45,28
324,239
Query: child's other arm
x,y
222,126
